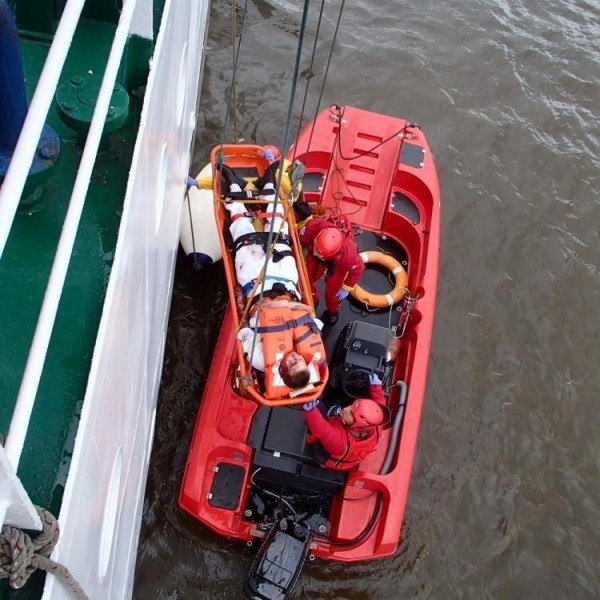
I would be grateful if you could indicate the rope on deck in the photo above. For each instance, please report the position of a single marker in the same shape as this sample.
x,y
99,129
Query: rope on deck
x,y
20,555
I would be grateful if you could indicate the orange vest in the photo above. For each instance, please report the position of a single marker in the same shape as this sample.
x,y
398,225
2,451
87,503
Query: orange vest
x,y
287,326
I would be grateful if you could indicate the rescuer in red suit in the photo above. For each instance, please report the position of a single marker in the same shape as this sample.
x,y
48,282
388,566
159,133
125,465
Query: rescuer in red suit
x,y
332,251
348,434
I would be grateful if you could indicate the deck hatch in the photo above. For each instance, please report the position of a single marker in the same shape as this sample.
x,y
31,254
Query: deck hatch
x,y
412,155
226,487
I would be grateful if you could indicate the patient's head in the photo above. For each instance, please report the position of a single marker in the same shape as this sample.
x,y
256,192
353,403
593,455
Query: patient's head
x,y
294,370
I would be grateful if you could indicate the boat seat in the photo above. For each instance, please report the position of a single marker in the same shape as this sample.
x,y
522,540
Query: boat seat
x,y
282,457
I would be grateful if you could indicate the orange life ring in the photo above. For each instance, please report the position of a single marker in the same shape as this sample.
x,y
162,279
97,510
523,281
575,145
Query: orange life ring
x,y
382,300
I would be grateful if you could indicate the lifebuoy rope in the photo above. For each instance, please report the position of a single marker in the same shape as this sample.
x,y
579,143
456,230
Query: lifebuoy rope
x,y
20,555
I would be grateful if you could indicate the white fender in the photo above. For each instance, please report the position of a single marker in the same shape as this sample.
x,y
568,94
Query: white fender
x,y
198,234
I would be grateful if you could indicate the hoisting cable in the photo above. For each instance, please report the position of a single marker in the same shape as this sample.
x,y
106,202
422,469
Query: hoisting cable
x,y
233,64
288,121
231,98
233,76
309,71
337,26
284,143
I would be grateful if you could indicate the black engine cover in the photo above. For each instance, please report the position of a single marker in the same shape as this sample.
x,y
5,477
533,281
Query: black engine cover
x,y
361,349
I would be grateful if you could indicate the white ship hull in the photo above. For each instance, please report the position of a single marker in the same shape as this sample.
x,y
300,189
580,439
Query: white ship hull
x,y
101,511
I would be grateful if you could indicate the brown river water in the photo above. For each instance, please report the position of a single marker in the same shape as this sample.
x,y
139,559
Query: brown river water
x,y
505,495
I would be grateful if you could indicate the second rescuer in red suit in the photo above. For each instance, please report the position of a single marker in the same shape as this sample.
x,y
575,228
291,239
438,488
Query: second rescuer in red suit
x,y
342,269
351,433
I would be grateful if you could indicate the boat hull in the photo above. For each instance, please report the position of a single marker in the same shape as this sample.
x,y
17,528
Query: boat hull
x,y
380,171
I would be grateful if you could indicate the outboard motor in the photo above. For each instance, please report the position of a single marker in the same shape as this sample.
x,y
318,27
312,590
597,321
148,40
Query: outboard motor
x,y
362,349
279,561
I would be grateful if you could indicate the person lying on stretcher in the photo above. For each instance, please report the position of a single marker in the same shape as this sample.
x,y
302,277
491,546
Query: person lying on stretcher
x,y
287,346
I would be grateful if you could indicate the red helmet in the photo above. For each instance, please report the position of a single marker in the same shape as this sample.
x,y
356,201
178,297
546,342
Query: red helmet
x,y
328,242
368,413
274,150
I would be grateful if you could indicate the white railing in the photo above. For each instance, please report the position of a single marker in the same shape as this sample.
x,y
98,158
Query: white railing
x,y
12,189
16,176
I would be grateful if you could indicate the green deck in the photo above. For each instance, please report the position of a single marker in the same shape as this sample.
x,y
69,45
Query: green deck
x,y
27,261
28,257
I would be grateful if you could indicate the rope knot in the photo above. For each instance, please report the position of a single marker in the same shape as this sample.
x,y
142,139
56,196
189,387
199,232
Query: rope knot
x,y
20,555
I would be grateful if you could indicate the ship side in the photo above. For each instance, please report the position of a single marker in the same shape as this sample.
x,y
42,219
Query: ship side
x,y
104,361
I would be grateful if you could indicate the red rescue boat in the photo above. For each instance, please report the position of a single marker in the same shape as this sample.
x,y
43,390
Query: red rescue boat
x,y
249,465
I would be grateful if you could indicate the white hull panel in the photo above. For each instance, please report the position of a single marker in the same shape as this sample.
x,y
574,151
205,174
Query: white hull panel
x,y
102,506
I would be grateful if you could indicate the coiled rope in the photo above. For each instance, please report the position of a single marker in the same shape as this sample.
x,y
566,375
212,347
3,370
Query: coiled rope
x,y
20,555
